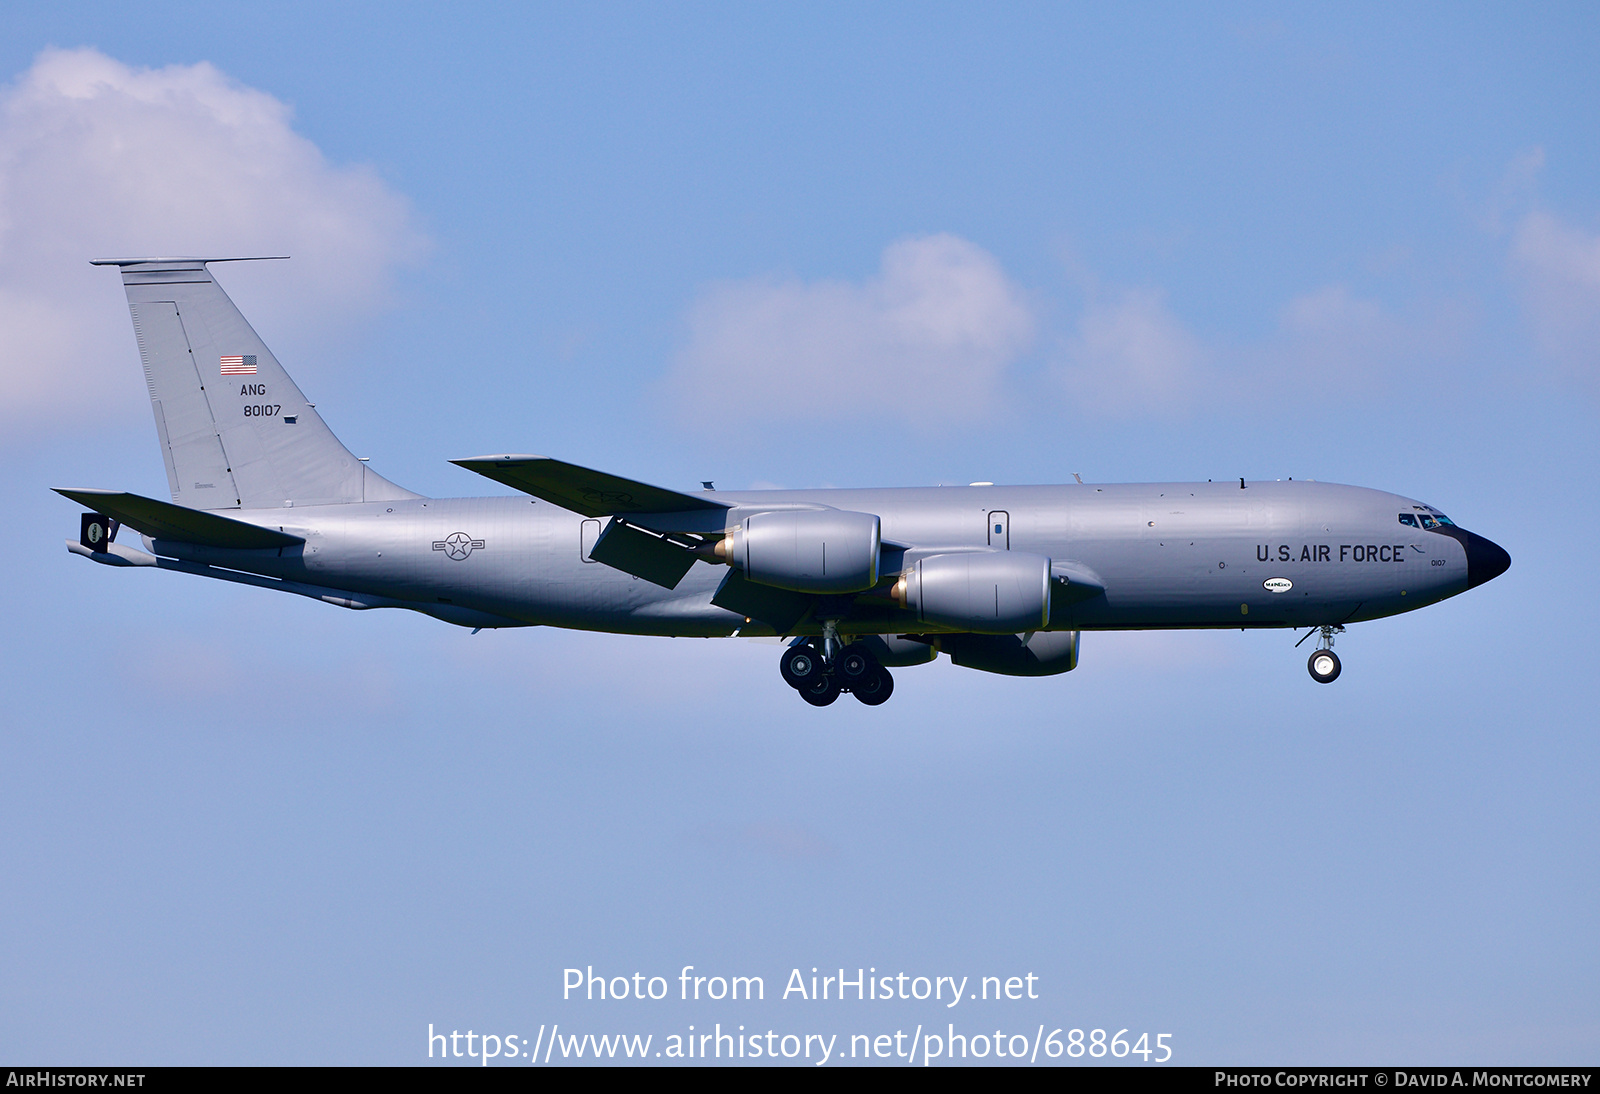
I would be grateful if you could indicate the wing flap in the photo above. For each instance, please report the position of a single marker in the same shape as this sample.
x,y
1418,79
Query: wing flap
x,y
641,554
163,520
581,489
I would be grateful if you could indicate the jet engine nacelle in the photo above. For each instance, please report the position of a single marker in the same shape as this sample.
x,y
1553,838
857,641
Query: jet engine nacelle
x,y
986,592
807,550
1042,653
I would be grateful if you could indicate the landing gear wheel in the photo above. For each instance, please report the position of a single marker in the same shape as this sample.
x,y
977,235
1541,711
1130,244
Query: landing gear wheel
x,y
801,666
876,688
854,665
820,691
1324,666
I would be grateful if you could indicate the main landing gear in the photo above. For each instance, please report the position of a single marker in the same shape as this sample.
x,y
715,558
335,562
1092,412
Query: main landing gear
x,y
820,678
1324,663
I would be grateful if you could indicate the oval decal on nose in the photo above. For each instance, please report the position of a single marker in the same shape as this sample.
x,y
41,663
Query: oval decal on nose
x,y
1277,584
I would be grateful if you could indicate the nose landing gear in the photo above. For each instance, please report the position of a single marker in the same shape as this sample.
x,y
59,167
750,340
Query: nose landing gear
x,y
1324,666
820,678
1324,663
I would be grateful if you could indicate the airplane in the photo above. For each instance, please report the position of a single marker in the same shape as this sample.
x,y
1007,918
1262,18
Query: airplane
x,y
1002,579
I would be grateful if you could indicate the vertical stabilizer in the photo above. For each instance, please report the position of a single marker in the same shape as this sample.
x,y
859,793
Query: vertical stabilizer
x,y
235,431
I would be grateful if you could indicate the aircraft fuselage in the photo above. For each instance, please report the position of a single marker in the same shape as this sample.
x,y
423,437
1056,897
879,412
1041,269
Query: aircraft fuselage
x,y
1169,555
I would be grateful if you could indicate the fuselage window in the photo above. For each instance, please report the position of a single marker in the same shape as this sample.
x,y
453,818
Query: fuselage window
x,y
1408,520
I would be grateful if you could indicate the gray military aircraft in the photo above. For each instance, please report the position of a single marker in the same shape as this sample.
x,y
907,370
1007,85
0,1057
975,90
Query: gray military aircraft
x,y
1002,579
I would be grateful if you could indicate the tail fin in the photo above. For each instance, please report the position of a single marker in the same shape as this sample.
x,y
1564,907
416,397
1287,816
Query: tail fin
x,y
235,430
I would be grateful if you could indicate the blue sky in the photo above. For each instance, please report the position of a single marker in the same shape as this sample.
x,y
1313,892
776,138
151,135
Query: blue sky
x,y
811,246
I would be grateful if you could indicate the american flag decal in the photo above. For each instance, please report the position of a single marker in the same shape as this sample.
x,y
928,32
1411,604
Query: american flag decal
x,y
239,365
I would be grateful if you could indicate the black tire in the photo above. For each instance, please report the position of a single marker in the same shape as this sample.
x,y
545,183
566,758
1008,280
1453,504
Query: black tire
x,y
1324,666
875,689
801,665
853,665
821,691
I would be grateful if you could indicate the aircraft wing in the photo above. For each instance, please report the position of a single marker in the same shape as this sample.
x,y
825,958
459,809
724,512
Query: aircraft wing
x,y
592,493
163,520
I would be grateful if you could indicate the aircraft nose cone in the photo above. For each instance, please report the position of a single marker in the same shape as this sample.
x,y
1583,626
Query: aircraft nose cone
x,y
1486,560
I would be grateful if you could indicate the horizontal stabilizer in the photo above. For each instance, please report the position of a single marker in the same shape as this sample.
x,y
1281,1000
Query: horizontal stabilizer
x,y
592,493
641,554
142,261
163,520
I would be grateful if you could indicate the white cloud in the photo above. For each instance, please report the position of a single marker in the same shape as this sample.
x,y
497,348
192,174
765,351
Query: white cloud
x,y
100,159
1332,314
928,340
1344,338
1559,270
1333,345
1131,354
932,340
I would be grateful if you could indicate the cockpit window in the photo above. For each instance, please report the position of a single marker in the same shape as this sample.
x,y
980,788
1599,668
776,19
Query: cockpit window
x,y
1445,520
1408,520
1428,521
